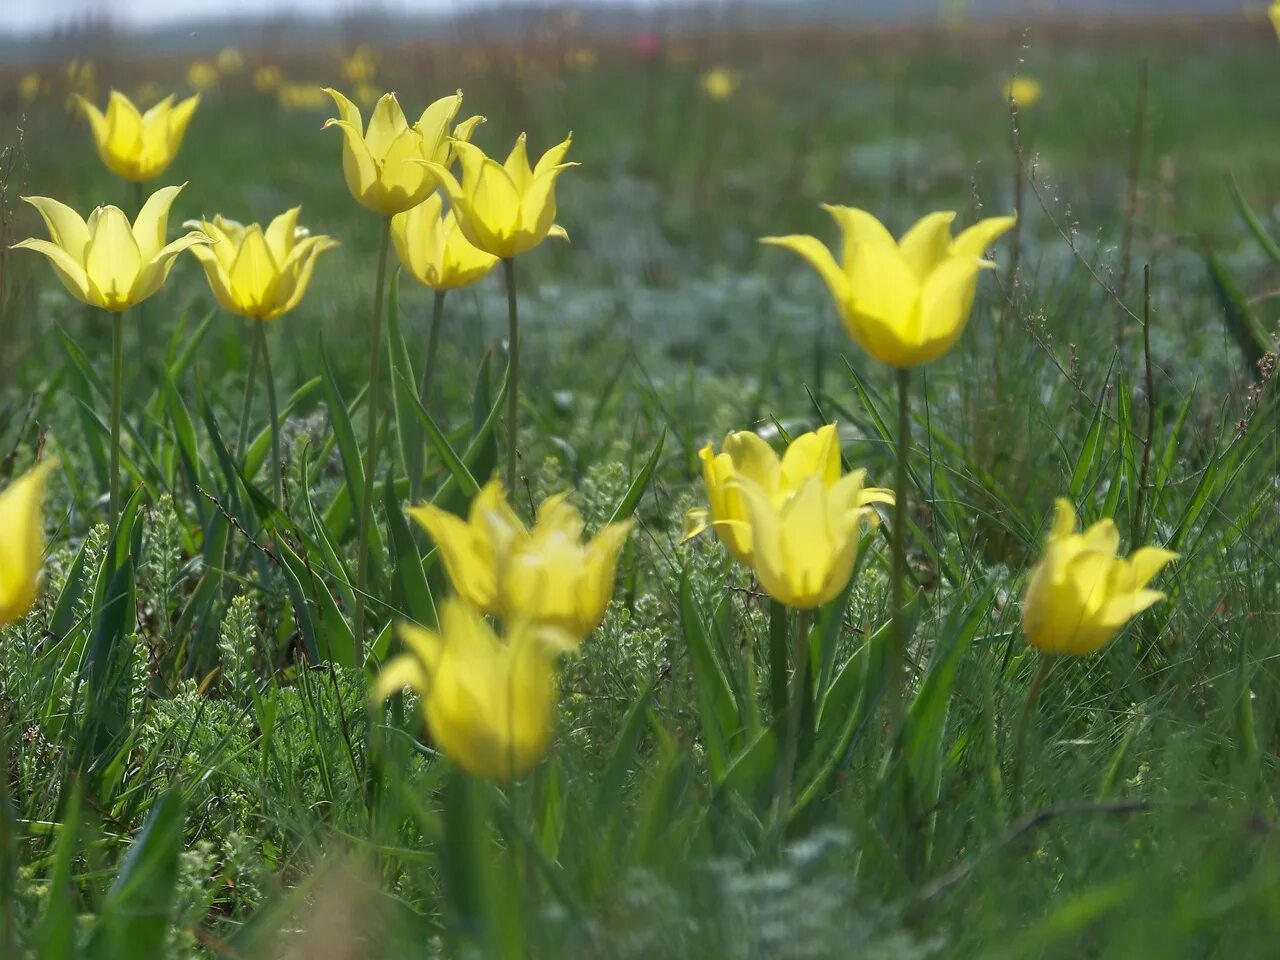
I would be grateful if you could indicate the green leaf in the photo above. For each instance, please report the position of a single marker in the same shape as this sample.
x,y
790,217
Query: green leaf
x,y
717,710
639,483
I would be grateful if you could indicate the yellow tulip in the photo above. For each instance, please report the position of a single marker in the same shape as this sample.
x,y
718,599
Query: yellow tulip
x,y
255,272
387,166
1081,593
433,249
22,545
804,547
720,83
489,703
1274,13
107,262
506,209
904,302
202,75
745,454
138,146
267,79
546,575
1023,91
230,60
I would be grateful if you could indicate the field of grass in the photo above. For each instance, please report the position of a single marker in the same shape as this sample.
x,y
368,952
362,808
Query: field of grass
x,y
192,765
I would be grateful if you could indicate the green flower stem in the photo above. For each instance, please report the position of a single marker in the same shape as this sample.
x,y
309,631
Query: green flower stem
x,y
425,388
117,381
513,374
1024,721
800,623
277,482
898,654
371,441
777,657
255,351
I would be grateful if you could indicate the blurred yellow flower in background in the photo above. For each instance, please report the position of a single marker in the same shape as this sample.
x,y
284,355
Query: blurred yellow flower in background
x,y
106,261
433,249
391,166
1081,593
546,574
302,96
139,146
361,66
267,79
259,273
22,545
1274,13
202,75
506,209
489,702
1023,91
720,83
746,455
905,302
29,87
230,60
580,58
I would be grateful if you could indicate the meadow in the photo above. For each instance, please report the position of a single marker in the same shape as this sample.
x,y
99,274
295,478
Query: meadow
x,y
201,759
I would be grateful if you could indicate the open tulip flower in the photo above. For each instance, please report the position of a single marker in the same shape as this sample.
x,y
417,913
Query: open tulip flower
x,y
488,702
106,261
906,301
506,209
259,273
22,545
546,574
388,166
746,455
434,251
134,145
1081,593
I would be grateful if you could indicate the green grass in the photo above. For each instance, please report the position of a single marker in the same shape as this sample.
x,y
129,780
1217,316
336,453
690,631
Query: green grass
x,y
192,769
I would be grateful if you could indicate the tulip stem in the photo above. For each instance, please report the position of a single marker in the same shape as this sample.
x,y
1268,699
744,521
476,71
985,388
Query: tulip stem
x,y
800,622
898,655
1024,721
513,372
277,482
425,388
242,435
371,442
117,381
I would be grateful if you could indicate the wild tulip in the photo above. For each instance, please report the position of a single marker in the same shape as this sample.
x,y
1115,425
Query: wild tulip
x,y
488,702
746,455
22,543
1024,92
255,272
546,574
434,251
106,261
906,301
1274,13
804,547
388,166
134,145
1081,593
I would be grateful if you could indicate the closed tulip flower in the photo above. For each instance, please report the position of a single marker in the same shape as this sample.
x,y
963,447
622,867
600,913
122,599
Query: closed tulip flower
x,y
22,542
108,262
804,547
1081,593
506,209
905,302
746,455
488,702
547,575
255,272
134,145
434,251
387,166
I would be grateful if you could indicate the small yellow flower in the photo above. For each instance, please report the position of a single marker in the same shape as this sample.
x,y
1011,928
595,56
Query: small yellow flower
x,y
230,60
546,575
745,454
259,273
1023,91
389,167
108,262
905,302
361,66
805,546
1081,593
488,702
506,209
301,96
138,146
720,83
434,251
29,88
22,546
580,58
202,75
267,79
82,80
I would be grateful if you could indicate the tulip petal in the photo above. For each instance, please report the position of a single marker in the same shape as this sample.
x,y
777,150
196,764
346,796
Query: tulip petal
x,y
975,241
152,222
295,275
22,546
928,243
155,272
434,125
386,124
821,259
1144,564
97,122
113,260
281,234
554,157
517,164
71,273
858,228
945,305
470,572
66,228
216,274
397,674
538,206
812,453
